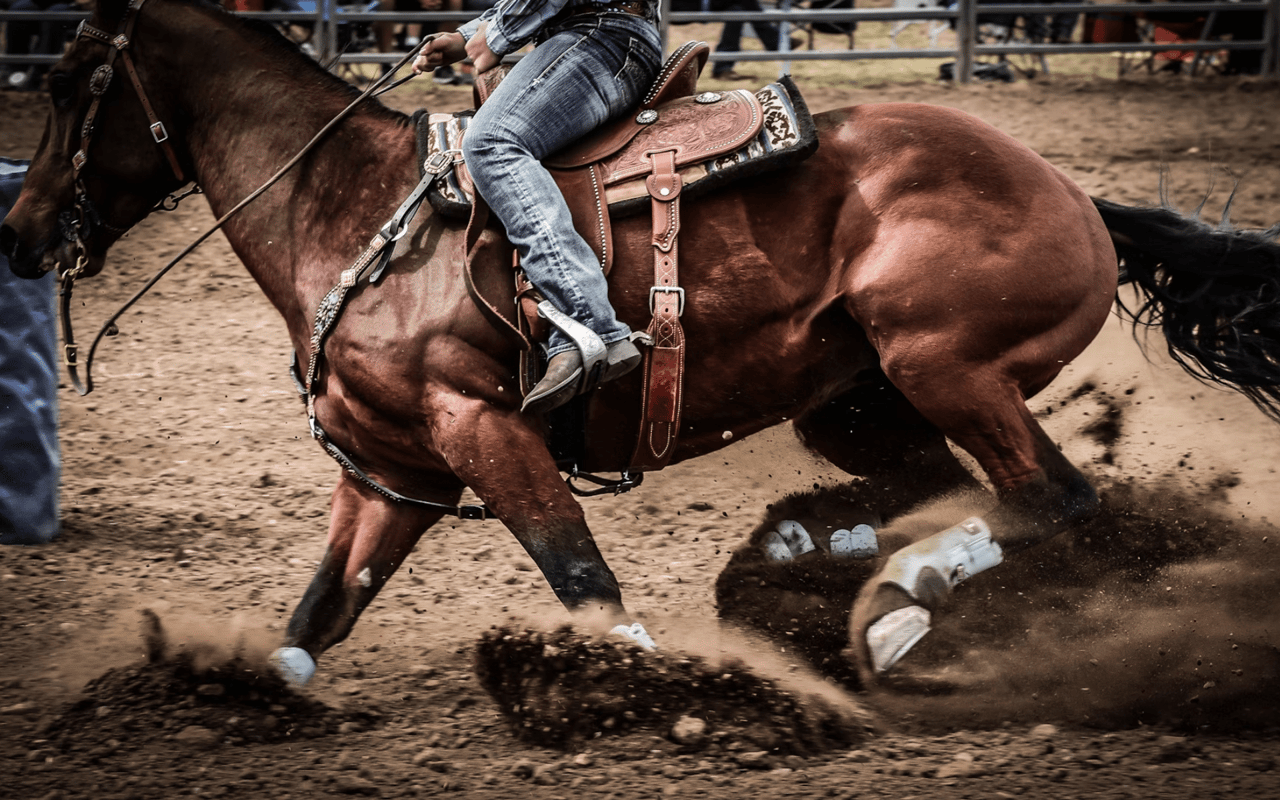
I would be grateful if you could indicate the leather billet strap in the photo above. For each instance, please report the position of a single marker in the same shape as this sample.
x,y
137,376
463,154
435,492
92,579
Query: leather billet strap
x,y
664,362
119,45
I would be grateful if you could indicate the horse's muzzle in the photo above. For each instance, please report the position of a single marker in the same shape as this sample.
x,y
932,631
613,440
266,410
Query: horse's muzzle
x,y
36,261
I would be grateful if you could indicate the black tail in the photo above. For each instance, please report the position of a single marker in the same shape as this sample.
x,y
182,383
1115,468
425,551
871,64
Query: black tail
x,y
1214,292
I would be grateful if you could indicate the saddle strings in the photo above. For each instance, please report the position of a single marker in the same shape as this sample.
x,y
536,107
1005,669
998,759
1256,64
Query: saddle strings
x,y
109,327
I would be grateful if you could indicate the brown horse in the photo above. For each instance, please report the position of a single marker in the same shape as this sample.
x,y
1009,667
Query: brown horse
x,y
916,280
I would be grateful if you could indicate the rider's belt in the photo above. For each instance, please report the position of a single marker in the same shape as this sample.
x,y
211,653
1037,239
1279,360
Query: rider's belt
x,y
633,7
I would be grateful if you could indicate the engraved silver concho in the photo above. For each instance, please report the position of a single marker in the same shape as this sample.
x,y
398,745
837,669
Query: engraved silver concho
x,y
100,80
707,98
647,117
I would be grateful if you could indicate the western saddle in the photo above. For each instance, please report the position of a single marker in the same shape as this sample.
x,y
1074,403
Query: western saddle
x,y
676,139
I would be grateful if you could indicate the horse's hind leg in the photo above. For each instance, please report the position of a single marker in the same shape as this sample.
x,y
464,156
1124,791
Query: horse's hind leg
x,y
875,433
369,537
1040,494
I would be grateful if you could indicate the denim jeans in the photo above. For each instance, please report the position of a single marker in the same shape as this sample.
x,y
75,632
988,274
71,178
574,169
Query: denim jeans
x,y
592,69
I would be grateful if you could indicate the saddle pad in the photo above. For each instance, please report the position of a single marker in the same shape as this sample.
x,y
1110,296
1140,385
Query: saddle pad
x,y
786,136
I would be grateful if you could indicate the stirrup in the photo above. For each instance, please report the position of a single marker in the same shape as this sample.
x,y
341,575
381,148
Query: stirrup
x,y
588,342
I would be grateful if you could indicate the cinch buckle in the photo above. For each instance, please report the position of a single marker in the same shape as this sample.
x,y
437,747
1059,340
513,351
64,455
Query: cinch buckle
x,y
69,354
653,290
159,133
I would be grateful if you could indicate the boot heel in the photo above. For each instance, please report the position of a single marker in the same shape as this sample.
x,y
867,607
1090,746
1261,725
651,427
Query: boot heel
x,y
623,356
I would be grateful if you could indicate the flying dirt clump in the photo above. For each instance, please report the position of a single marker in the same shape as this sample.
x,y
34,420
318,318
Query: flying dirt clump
x,y
190,697
562,689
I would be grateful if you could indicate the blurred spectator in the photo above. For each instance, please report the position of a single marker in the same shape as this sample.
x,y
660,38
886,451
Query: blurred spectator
x,y
1056,28
35,38
1240,26
411,34
731,35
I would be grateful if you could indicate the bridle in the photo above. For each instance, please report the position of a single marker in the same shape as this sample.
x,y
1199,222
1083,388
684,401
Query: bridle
x,y
99,82
77,230
85,218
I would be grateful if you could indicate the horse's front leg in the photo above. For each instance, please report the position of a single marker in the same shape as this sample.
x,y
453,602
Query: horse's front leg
x,y
369,537
504,460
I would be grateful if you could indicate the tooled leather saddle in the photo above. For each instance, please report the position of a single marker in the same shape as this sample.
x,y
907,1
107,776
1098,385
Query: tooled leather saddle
x,y
678,143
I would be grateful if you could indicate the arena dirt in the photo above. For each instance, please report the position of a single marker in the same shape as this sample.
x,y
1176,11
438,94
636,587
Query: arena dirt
x,y
1134,658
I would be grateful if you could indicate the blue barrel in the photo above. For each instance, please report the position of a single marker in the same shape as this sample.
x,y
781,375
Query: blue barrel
x,y
29,459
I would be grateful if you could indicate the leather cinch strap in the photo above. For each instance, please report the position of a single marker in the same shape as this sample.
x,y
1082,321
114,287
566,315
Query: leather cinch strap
x,y
664,362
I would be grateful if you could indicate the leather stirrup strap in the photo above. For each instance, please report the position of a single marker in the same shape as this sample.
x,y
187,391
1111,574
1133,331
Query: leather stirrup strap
x,y
664,362
475,230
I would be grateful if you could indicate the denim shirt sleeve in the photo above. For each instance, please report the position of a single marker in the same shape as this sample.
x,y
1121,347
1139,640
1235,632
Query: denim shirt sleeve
x,y
512,23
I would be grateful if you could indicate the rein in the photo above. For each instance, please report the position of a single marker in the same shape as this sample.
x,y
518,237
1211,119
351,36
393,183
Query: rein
x,y
98,84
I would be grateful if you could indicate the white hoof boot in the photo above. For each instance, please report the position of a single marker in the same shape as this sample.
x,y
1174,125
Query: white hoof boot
x,y
929,569
797,538
636,634
894,634
860,542
789,540
774,548
293,664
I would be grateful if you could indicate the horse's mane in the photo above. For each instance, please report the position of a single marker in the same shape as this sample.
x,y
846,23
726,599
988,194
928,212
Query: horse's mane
x,y
272,40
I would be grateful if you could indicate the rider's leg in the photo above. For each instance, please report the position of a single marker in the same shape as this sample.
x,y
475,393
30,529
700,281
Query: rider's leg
x,y
569,85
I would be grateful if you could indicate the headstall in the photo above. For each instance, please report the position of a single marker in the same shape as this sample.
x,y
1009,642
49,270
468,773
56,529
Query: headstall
x,y
99,82
80,226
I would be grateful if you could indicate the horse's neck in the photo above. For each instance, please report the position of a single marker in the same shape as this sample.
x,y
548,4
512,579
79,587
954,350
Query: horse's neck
x,y
250,112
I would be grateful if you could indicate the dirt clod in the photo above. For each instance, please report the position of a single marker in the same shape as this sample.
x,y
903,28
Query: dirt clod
x,y
563,688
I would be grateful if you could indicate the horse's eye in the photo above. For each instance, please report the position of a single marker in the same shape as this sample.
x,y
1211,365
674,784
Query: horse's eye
x,y
61,88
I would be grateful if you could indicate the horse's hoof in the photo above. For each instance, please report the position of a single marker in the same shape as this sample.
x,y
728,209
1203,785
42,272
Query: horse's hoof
x,y
636,634
860,542
874,644
293,664
890,637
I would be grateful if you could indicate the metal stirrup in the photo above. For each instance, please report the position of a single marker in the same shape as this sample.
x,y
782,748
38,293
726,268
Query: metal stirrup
x,y
587,341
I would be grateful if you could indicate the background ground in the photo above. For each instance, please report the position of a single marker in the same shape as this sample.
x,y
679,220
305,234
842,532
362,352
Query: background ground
x,y
190,489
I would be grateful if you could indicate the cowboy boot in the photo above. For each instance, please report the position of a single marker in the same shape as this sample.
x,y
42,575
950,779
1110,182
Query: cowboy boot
x,y
566,377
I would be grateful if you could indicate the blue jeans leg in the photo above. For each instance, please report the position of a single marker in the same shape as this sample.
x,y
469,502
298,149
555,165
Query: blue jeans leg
x,y
581,77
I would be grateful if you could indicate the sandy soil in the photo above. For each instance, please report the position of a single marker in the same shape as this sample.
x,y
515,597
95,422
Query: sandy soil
x,y
190,489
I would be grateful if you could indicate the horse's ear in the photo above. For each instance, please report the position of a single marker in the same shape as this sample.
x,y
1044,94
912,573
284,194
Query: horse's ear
x,y
110,13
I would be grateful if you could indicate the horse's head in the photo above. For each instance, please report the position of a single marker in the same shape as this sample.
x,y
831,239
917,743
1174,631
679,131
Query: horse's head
x,y
109,151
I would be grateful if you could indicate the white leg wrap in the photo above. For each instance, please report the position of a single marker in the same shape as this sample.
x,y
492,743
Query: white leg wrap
x,y
894,634
635,633
860,542
294,664
950,556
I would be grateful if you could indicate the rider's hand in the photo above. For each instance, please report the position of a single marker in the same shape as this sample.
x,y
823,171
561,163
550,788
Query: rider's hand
x,y
478,48
438,50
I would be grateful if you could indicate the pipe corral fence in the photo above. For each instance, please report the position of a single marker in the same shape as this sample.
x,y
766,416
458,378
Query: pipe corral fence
x,y
328,17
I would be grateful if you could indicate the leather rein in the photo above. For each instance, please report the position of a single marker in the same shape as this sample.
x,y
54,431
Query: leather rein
x,y
86,216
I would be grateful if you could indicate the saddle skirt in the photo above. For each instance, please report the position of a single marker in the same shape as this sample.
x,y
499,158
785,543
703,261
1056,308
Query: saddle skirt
x,y
716,137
